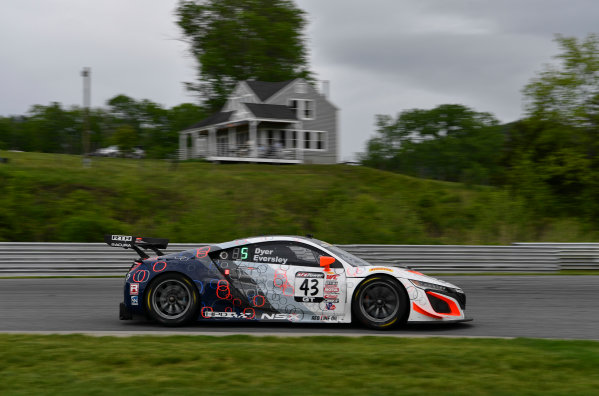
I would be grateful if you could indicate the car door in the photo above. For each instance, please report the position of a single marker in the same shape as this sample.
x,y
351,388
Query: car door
x,y
244,288
318,292
280,281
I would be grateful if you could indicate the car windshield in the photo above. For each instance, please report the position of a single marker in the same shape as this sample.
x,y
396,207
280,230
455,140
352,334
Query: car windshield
x,y
348,257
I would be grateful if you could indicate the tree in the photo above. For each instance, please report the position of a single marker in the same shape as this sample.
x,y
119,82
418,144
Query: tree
x,y
54,129
126,122
450,142
155,127
236,40
6,132
125,137
559,138
125,110
569,91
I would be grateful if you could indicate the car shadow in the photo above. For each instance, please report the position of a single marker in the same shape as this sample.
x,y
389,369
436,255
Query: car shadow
x,y
282,327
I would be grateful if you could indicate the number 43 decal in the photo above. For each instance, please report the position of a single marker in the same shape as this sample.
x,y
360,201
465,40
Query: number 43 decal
x,y
311,290
309,286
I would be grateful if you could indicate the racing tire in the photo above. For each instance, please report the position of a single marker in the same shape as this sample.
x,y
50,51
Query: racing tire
x,y
380,303
172,299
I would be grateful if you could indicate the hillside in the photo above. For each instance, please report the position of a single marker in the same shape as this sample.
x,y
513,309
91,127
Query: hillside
x,y
50,197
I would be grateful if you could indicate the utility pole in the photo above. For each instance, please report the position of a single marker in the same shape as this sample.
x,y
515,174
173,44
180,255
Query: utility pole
x,y
86,74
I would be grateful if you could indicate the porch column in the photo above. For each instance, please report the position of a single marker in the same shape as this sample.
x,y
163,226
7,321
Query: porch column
x,y
212,142
194,144
253,139
232,140
300,141
182,146
287,136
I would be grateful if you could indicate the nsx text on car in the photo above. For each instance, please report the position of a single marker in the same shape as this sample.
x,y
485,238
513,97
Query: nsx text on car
x,y
280,279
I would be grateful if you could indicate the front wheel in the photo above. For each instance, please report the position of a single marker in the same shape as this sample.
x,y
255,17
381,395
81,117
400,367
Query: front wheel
x,y
172,300
380,303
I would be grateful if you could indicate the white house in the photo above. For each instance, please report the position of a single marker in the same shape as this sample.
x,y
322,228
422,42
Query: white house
x,y
279,122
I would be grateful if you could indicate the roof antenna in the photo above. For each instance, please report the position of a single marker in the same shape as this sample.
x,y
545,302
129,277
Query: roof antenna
x,y
309,236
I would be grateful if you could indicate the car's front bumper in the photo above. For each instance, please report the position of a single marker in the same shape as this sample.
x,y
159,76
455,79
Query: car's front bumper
x,y
444,321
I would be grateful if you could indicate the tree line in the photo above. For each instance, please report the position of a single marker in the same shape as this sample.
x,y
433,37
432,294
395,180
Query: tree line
x,y
125,122
550,157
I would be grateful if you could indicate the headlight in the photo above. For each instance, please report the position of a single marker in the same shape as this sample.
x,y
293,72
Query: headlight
x,y
428,285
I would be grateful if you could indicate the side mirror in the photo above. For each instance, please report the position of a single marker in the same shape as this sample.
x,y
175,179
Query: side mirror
x,y
326,261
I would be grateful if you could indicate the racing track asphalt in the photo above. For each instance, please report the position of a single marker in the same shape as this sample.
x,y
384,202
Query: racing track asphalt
x,y
562,307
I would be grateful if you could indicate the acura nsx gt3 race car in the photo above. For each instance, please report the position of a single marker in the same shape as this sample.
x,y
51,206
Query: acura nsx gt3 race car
x,y
279,279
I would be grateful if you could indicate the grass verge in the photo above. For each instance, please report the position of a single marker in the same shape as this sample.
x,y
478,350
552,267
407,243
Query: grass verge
x,y
244,365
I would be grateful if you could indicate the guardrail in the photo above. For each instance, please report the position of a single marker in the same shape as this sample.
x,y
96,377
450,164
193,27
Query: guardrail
x,y
573,256
99,259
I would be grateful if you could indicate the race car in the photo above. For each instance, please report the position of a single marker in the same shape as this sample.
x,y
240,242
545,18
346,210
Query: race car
x,y
279,279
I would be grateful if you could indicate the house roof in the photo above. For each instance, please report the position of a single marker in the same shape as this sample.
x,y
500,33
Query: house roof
x,y
215,118
265,89
278,112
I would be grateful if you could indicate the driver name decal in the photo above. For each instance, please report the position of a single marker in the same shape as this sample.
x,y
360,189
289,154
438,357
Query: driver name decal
x,y
266,256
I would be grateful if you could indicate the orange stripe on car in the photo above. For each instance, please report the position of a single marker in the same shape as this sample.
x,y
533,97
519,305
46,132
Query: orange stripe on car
x,y
421,310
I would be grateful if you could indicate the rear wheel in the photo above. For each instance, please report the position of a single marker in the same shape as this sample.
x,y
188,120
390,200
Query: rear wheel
x,y
380,303
172,300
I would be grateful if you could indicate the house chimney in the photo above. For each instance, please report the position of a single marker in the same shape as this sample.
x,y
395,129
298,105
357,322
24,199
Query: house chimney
x,y
324,88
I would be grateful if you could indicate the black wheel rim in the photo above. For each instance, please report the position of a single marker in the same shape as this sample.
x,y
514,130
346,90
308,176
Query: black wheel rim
x,y
171,299
379,302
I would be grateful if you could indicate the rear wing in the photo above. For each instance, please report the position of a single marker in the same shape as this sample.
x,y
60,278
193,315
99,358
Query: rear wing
x,y
137,243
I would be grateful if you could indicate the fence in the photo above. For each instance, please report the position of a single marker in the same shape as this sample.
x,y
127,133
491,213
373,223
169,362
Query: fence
x,y
98,259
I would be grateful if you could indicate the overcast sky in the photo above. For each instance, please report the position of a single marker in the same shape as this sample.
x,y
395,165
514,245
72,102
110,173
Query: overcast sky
x,y
380,56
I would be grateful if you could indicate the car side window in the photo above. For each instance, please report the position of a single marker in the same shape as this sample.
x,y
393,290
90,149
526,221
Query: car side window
x,y
309,256
283,253
305,256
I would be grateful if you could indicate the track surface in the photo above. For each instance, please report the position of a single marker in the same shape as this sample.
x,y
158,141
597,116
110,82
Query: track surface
x,y
502,306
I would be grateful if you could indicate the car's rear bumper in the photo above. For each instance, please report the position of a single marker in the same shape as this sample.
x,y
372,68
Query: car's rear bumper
x,y
124,312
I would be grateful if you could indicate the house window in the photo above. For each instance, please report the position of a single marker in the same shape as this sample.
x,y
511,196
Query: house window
x,y
319,140
283,138
293,139
222,146
314,140
308,110
242,137
304,109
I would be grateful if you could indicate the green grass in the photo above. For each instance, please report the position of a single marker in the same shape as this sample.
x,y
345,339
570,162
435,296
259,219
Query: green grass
x,y
243,365
53,198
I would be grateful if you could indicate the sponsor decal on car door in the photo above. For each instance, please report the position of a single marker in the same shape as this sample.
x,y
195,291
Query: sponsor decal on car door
x,y
319,290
